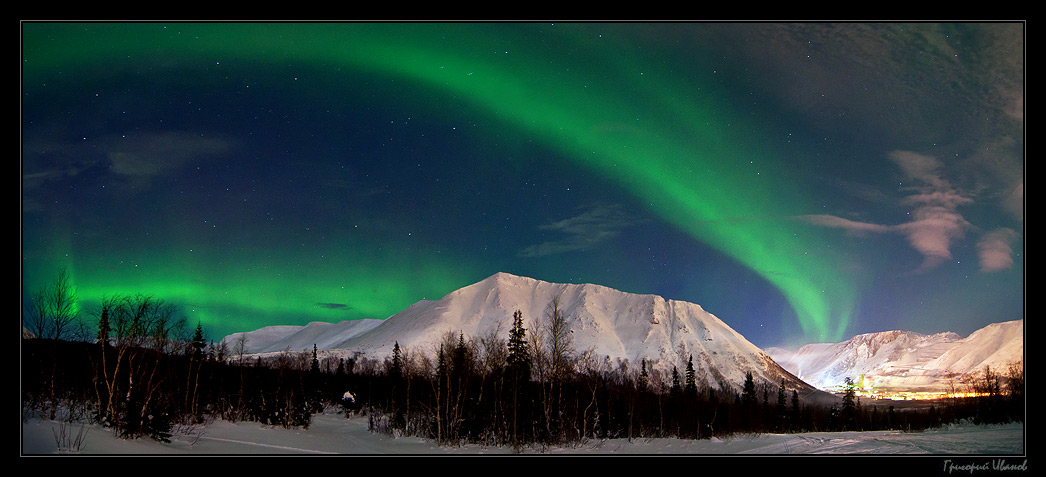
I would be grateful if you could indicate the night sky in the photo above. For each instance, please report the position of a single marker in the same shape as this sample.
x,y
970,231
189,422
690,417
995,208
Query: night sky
x,y
802,182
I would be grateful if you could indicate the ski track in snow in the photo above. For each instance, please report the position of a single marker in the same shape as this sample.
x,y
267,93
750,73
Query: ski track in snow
x,y
267,446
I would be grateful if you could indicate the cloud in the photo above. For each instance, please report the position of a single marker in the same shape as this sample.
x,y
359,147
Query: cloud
x,y
995,250
133,159
44,164
155,154
919,167
932,233
333,306
845,224
936,222
595,225
1014,202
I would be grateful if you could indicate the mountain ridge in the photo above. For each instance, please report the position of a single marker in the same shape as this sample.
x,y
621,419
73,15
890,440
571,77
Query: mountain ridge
x,y
906,360
608,326
623,329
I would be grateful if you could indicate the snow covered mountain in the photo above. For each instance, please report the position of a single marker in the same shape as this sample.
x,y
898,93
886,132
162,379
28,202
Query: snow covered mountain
x,y
607,323
296,338
904,360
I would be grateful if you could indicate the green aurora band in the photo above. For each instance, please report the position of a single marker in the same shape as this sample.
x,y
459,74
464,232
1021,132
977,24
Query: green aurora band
x,y
672,141
240,290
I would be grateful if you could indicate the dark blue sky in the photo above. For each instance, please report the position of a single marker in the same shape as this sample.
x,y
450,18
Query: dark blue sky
x,y
802,182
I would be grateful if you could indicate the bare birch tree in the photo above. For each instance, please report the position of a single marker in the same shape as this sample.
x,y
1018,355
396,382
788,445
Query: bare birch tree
x,y
559,355
53,309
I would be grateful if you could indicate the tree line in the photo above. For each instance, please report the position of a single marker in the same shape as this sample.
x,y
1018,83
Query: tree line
x,y
139,369
533,388
135,366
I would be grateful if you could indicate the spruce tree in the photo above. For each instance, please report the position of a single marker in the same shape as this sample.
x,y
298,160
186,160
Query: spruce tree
x,y
198,341
849,410
748,399
398,391
518,369
749,403
313,387
397,360
459,358
795,411
518,349
691,377
195,365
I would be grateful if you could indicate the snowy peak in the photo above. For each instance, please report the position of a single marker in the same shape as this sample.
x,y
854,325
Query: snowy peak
x,y
895,360
617,329
996,345
607,326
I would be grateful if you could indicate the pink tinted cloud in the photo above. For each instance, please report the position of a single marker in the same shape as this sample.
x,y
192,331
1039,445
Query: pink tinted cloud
x,y
936,222
845,224
933,231
995,250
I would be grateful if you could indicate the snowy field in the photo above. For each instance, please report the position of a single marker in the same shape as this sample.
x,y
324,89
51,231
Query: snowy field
x,y
333,434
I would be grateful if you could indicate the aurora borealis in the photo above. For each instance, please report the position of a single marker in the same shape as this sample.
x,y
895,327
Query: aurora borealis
x,y
803,182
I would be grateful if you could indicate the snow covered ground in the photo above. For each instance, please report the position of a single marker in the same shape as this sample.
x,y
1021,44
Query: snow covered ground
x,y
334,434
